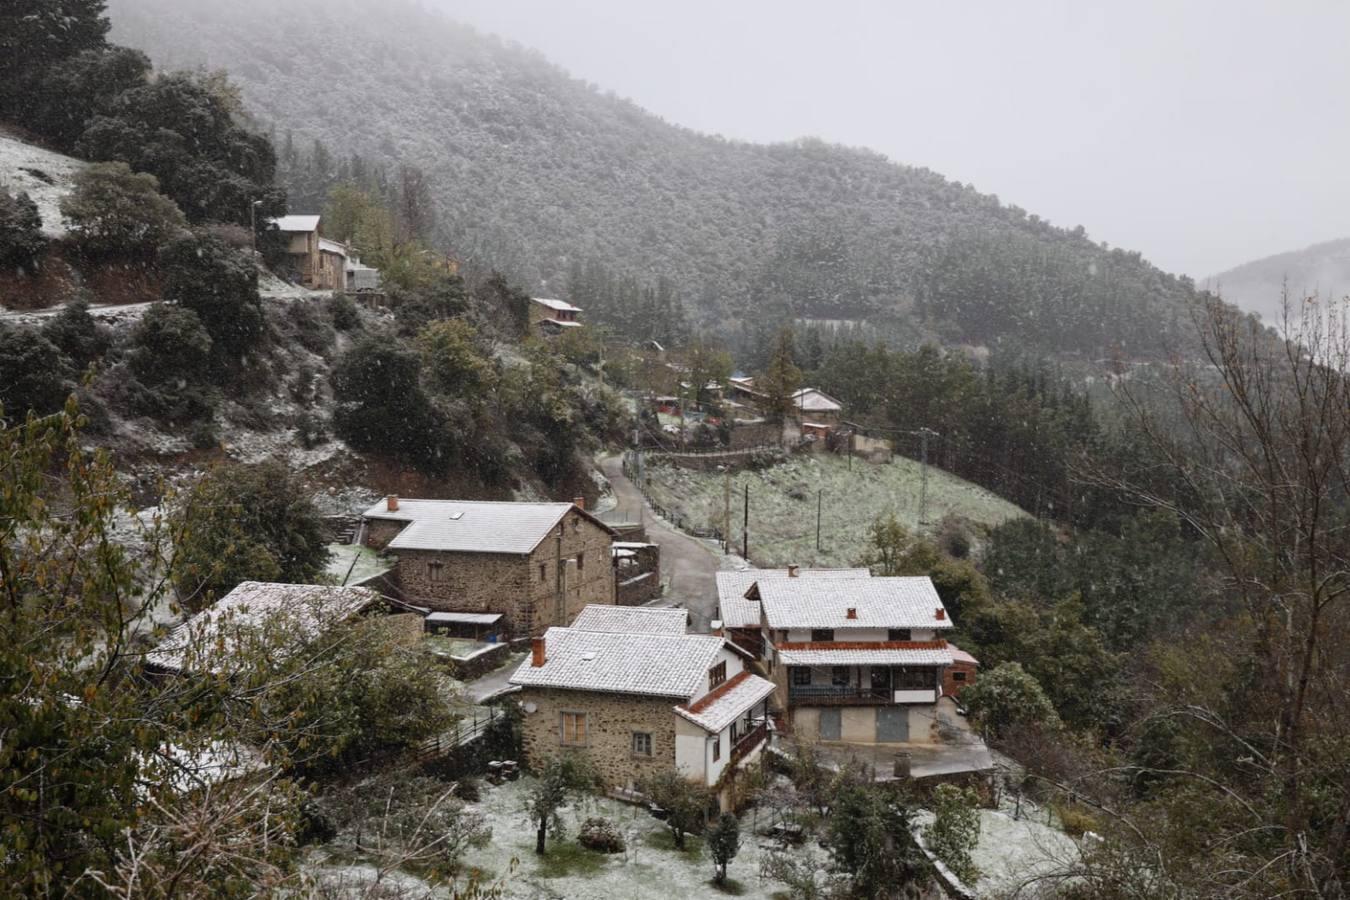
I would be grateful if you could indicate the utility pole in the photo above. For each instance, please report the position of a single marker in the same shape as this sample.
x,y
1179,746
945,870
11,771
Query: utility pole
x,y
726,509
819,494
745,527
923,474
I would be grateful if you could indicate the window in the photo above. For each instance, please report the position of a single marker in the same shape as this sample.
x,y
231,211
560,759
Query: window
x,y
581,561
717,748
436,572
899,634
642,743
574,729
717,674
801,676
822,634
958,676
839,676
881,678
915,679
543,571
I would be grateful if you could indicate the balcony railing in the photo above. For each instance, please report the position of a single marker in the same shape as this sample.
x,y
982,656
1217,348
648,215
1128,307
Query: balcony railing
x,y
747,742
837,694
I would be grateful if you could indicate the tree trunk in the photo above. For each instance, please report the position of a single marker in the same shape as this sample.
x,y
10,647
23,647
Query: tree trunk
x,y
540,837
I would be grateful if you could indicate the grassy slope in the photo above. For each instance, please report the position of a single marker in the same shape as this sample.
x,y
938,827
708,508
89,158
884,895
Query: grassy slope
x,y
782,528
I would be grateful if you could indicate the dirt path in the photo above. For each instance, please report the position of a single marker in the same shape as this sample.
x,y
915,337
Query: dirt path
x,y
687,563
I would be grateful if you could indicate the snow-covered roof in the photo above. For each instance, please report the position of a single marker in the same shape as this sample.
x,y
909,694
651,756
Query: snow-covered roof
x,y
216,634
556,305
462,618
473,526
656,665
824,602
632,545
811,400
961,656
631,620
720,707
296,223
333,247
738,612
865,653
560,323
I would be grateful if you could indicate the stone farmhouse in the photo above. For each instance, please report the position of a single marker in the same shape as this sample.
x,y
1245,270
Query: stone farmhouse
x,y
262,613
317,262
858,660
536,565
552,317
627,688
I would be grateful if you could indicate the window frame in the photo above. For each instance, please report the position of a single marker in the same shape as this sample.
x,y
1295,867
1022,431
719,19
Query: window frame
x,y
841,676
717,748
797,673
717,675
581,560
633,741
578,716
827,638
543,572
892,634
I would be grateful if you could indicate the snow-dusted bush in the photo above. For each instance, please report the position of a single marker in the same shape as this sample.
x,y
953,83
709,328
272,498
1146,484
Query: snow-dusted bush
x,y
598,833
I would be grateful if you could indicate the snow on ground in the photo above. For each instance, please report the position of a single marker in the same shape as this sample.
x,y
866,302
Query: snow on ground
x,y
1013,851
783,503
353,564
643,872
43,175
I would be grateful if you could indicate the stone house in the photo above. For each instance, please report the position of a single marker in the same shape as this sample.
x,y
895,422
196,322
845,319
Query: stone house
x,y
629,690
535,564
259,614
552,317
857,660
316,262
637,572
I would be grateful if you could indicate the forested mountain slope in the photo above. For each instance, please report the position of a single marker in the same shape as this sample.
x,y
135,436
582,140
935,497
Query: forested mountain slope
x,y
1257,286
537,173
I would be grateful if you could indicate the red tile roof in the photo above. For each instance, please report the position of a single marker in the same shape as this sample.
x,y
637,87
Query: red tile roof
x,y
715,694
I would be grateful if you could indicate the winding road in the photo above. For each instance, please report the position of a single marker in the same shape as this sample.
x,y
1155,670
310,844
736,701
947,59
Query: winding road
x,y
688,565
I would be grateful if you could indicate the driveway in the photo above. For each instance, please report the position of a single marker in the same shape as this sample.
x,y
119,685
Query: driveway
x,y
688,565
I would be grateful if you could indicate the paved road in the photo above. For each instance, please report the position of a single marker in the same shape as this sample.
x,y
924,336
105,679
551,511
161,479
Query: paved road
x,y
494,682
687,563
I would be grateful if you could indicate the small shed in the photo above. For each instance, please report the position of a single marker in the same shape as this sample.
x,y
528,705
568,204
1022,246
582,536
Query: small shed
x,y
475,626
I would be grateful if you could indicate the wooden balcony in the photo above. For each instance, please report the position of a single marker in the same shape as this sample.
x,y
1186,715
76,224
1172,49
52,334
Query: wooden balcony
x,y
748,742
837,695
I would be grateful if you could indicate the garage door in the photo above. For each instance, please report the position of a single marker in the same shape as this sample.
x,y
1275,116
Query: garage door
x,y
892,724
829,724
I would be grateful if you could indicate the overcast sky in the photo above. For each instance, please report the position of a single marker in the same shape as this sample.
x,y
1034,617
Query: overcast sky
x,y
1205,134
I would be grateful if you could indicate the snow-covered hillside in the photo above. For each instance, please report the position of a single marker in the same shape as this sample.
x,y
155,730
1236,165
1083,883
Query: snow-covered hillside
x,y
43,175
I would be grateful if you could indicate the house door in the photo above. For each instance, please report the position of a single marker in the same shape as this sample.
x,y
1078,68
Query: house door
x,y
829,724
892,724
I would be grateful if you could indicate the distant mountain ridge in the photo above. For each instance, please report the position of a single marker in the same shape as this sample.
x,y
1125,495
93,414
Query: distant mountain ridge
x,y
539,172
1257,286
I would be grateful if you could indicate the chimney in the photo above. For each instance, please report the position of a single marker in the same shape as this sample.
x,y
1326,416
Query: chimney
x,y
391,503
939,614
852,612
792,571
537,646
579,502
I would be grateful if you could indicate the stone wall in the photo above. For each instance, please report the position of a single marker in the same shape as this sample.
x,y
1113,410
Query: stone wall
x,y
611,720
379,532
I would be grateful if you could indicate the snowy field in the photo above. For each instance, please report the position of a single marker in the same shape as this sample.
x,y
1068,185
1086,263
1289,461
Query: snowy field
x,y
41,174
783,504
1012,853
650,869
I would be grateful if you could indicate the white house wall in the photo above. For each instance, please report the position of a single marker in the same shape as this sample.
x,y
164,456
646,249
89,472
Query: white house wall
x,y
735,665
691,755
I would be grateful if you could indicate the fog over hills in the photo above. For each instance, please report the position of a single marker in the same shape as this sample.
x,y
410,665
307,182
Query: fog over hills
x,y
1257,286
538,173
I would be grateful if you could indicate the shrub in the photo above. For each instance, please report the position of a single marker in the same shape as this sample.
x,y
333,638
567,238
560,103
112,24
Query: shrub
x,y
33,376
346,316
242,523
684,802
21,238
382,407
601,834
220,284
76,333
167,352
113,211
310,431
1007,696
955,830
